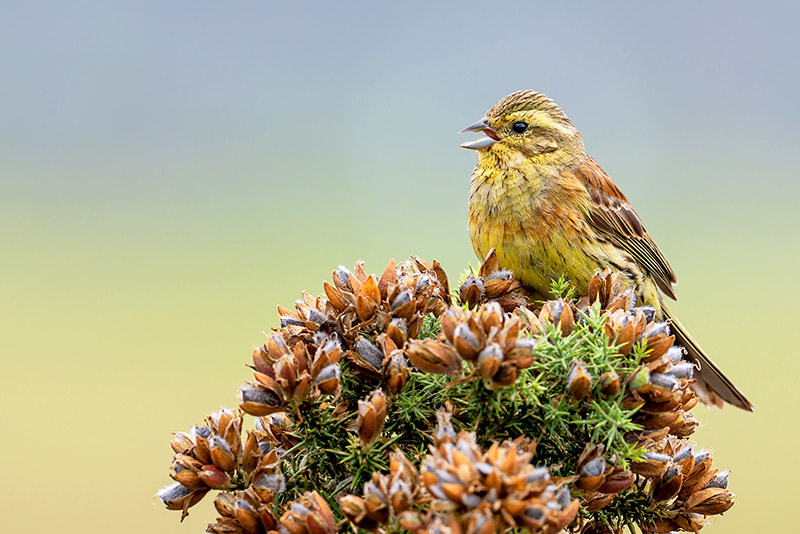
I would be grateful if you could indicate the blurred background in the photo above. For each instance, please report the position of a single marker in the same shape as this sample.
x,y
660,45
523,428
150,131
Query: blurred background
x,y
173,170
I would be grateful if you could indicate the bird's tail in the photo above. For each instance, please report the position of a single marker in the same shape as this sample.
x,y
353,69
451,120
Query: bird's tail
x,y
712,386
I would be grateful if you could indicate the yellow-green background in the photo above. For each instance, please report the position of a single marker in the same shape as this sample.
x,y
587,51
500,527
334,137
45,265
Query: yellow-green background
x,y
173,170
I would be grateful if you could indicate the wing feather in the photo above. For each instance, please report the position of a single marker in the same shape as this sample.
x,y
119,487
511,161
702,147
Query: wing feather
x,y
613,217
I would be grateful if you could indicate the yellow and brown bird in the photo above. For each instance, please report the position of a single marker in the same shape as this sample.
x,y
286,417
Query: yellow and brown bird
x,y
548,209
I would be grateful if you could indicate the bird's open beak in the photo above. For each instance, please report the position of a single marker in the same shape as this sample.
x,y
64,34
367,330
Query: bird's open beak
x,y
483,142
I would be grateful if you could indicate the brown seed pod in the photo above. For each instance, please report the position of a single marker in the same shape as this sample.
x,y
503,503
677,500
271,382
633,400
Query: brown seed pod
x,y
579,381
433,356
371,417
609,384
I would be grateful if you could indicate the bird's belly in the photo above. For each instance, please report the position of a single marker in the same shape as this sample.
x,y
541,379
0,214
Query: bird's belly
x,y
539,252
537,260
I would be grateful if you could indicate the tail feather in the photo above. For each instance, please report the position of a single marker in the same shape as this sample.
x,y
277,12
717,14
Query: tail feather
x,y
712,386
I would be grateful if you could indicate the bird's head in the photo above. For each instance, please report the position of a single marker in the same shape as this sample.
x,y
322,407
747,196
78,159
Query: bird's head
x,y
529,123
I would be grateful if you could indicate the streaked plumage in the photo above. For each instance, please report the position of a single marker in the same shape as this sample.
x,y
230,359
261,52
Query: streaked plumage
x,y
550,210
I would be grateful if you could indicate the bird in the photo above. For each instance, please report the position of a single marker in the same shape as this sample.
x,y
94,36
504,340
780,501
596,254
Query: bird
x,y
549,210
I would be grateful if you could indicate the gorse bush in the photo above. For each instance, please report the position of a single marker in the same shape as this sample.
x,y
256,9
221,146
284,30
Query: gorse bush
x,y
391,405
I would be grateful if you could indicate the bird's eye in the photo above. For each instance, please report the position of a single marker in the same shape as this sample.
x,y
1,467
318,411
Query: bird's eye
x,y
519,127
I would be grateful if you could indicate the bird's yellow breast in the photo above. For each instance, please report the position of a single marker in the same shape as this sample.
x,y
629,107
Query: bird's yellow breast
x,y
535,219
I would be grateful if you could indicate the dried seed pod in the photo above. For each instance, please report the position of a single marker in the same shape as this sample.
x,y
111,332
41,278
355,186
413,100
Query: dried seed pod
x,y
433,356
338,298
597,500
490,316
661,525
579,382
551,311
489,264
355,509
224,503
657,341
268,477
396,373
684,425
309,514
530,321
702,474
481,522
489,360
566,322
276,429
684,458
471,291
606,288
367,357
669,485
179,497
388,278
653,421
591,474
652,465
466,342
341,278
186,470
371,417
616,481
251,452
411,521
709,501
609,384
368,299
221,453
492,284
500,283
328,379
719,480
690,521
214,477
623,330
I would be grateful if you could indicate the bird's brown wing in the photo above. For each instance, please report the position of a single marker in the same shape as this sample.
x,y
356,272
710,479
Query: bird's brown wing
x,y
613,217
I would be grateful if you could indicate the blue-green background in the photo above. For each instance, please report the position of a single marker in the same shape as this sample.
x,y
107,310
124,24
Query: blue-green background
x,y
172,170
